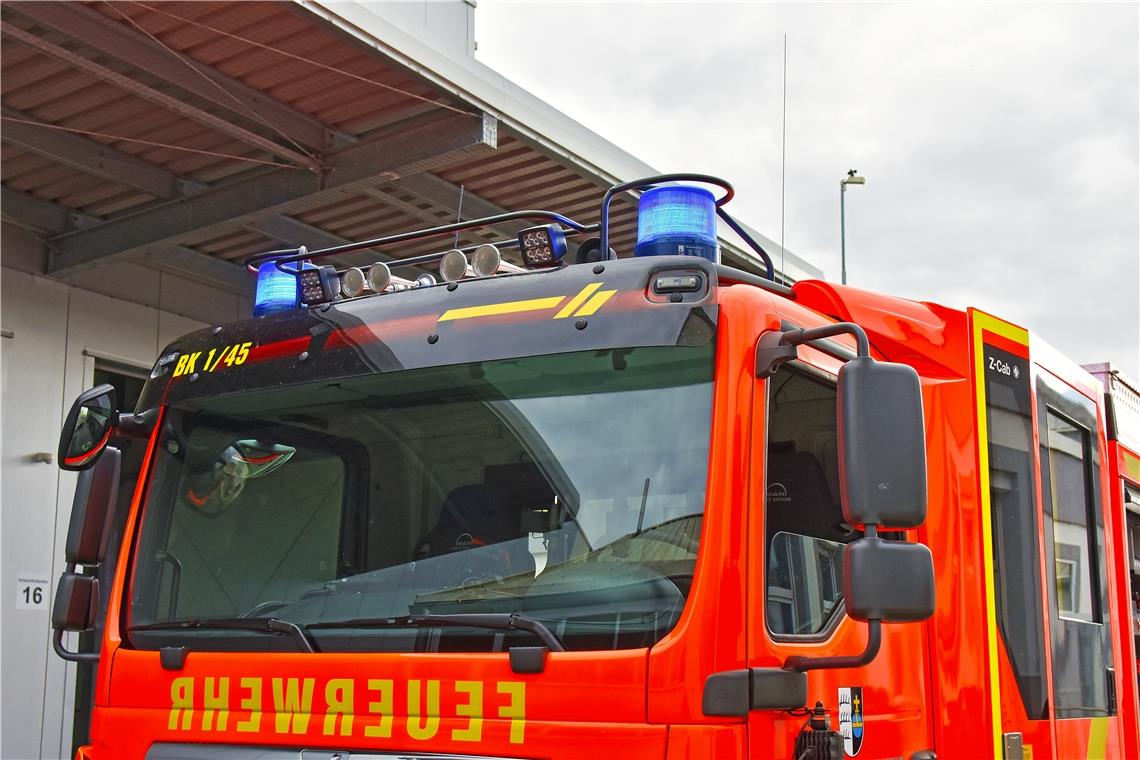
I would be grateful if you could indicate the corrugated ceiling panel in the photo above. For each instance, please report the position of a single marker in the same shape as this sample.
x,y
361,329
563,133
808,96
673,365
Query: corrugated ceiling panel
x,y
514,176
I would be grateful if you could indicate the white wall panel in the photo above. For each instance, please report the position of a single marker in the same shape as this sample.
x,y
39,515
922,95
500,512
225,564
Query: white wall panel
x,y
106,327
34,310
55,331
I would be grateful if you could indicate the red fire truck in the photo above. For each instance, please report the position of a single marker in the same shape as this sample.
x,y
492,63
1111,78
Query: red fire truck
x,y
596,506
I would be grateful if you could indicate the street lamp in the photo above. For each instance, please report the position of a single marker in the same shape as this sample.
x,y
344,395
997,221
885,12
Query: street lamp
x,y
851,179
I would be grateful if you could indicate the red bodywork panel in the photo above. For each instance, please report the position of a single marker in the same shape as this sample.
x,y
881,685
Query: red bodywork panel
x,y
928,689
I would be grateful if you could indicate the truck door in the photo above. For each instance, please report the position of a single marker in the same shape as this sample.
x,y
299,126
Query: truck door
x,y
797,534
1081,645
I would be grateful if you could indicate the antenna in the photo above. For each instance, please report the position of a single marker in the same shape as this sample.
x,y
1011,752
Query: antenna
x,y
459,214
783,153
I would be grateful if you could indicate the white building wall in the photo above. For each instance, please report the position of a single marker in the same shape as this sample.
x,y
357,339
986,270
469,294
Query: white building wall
x,y
53,334
447,26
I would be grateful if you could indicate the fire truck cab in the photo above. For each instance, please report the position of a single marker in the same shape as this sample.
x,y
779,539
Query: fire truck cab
x,y
649,507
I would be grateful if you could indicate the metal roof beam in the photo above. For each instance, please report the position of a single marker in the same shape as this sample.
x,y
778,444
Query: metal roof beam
x,y
92,157
39,214
202,266
421,147
293,231
439,191
408,209
119,41
176,105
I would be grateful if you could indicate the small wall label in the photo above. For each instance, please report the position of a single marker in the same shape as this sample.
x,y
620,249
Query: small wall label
x,y
32,591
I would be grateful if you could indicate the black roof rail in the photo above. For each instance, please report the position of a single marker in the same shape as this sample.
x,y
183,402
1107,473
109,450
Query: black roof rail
x,y
725,273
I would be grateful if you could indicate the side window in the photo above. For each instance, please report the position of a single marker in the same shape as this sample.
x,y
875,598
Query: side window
x,y
1074,521
804,528
1074,537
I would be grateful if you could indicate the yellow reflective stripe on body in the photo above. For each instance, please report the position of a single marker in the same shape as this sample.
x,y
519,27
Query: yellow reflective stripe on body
x,y
507,307
595,303
584,303
980,322
1098,739
577,300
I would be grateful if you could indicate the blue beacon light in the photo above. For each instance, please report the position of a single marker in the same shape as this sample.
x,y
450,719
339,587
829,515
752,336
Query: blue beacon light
x,y
276,290
677,219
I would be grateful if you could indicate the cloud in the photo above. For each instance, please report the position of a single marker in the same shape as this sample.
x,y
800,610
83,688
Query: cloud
x,y
999,142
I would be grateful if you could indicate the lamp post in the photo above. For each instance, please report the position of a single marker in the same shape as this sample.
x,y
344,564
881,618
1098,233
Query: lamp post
x,y
851,179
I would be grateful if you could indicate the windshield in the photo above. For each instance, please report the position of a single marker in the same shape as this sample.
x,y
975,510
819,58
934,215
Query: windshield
x,y
566,489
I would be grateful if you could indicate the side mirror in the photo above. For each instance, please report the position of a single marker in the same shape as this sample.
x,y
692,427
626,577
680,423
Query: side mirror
x,y
890,581
96,491
76,603
87,428
882,444
882,483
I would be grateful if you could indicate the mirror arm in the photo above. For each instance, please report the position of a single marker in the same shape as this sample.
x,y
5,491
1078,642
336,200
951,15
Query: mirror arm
x,y
777,348
57,644
802,663
801,335
874,640
139,425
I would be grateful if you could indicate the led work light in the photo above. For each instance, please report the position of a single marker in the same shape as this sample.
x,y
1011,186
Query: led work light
x,y
542,246
318,284
677,219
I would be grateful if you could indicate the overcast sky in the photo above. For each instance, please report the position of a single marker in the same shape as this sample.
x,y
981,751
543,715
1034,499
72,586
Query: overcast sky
x,y
999,142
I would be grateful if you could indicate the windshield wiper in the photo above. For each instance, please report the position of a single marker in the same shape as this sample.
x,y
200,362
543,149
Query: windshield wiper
x,y
257,625
501,621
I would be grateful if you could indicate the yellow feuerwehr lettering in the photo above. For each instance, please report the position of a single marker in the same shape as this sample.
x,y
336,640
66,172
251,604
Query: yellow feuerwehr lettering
x,y
251,703
293,701
216,700
472,709
338,698
515,709
383,708
423,725
181,703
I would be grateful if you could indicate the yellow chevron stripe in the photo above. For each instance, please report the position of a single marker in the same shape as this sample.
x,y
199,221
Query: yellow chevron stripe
x,y
577,300
595,303
507,307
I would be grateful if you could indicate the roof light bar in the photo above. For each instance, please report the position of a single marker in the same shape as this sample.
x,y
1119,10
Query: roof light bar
x,y
296,254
